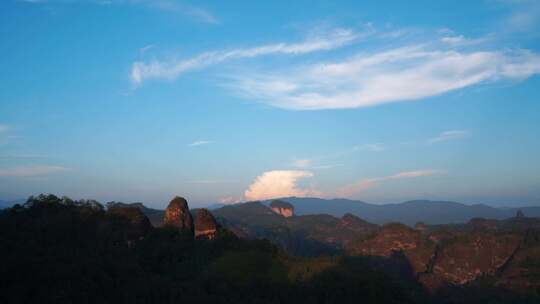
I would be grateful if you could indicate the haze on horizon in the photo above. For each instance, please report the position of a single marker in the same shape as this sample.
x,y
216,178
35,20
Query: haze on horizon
x,y
226,102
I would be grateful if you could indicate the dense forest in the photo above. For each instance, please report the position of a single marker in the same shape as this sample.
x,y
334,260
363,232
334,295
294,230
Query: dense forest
x,y
57,250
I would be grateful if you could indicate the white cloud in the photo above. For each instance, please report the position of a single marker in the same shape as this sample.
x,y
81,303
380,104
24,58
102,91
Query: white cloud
x,y
450,135
302,163
369,79
200,143
369,183
524,15
229,200
376,147
165,5
146,48
142,71
28,171
279,183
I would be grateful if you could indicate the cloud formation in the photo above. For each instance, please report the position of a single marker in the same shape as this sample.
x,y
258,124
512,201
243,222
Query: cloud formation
x,y
368,79
279,183
141,71
363,185
200,143
165,5
28,171
376,147
450,135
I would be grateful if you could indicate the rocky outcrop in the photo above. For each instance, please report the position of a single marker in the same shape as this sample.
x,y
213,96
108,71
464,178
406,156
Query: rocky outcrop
x,y
474,254
138,223
205,225
283,208
394,238
522,271
177,215
457,255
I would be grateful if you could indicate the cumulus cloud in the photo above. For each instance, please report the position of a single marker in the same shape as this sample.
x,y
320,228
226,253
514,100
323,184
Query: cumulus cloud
x,y
450,135
142,71
200,143
279,183
28,171
365,184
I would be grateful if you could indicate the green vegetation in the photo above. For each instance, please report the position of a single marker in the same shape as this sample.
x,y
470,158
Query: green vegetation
x,y
63,251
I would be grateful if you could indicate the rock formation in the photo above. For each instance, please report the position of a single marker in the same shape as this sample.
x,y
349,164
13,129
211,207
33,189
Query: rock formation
x,y
205,225
139,224
519,214
177,215
394,238
282,208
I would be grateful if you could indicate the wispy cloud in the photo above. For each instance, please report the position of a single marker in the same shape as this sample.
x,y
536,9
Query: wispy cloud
x,y
524,15
210,181
279,183
142,71
3,128
229,200
174,6
28,171
365,184
368,79
307,163
302,163
200,143
450,135
21,156
376,147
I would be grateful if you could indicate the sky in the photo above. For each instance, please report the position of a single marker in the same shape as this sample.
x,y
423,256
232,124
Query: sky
x,y
228,101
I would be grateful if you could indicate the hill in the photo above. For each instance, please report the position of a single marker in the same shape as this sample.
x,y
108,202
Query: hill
x,y
411,212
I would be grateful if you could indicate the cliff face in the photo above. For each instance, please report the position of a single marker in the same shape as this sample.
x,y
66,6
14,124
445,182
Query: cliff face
x,y
393,238
471,255
283,208
177,215
508,251
205,225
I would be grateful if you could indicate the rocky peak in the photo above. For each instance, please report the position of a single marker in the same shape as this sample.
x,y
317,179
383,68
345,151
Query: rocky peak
x,y
519,214
283,208
139,224
177,215
205,225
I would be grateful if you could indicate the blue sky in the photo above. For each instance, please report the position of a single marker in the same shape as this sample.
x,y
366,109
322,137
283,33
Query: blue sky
x,y
138,100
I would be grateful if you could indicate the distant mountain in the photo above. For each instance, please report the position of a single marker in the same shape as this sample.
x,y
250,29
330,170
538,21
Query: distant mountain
x,y
300,235
429,212
9,204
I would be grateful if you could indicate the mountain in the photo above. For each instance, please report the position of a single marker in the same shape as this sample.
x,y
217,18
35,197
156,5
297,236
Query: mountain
x,y
154,215
9,204
411,212
78,251
312,234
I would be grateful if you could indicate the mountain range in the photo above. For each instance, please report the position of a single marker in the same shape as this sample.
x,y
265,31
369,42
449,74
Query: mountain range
x,y
409,213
